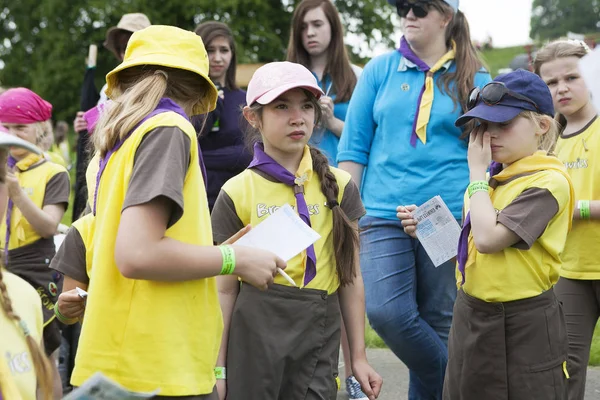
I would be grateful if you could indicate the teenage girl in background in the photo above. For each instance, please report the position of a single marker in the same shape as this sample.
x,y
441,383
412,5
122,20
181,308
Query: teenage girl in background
x,y
579,286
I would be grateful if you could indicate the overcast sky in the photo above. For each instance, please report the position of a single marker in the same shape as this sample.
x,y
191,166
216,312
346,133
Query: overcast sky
x,y
506,21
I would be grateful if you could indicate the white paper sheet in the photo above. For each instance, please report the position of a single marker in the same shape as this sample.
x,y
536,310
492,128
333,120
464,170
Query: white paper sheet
x,y
590,70
7,140
437,230
99,387
282,233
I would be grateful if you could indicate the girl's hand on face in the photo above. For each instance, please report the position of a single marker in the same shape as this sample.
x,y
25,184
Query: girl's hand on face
x,y
370,381
480,152
404,214
70,304
14,187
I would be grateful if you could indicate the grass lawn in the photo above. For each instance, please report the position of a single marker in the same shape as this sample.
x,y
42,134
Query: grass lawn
x,y
375,342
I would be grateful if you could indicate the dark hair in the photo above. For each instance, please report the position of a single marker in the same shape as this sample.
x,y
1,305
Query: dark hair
x,y
211,30
338,63
467,60
345,234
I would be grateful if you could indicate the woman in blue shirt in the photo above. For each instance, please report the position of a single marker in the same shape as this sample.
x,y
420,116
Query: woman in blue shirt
x,y
400,142
317,42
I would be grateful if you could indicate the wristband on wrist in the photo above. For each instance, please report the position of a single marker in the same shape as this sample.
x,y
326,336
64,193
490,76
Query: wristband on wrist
x,y
228,259
584,209
477,186
62,318
221,373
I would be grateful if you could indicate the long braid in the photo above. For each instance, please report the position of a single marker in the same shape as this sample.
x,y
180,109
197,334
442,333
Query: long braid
x,y
41,364
345,235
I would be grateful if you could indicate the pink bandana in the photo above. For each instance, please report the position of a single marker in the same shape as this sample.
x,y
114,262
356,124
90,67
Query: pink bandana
x,y
22,106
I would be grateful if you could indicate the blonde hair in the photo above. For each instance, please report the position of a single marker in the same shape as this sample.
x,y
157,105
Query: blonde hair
x,y
547,141
41,364
556,50
137,93
44,135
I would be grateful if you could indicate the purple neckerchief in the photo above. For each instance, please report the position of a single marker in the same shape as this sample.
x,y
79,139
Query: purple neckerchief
x,y
11,162
164,105
463,241
267,165
410,55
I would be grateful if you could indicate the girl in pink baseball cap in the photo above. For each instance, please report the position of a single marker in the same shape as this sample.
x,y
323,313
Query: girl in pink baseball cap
x,y
38,193
292,330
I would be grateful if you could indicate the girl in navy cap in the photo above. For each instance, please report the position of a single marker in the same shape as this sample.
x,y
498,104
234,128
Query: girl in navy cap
x,y
508,337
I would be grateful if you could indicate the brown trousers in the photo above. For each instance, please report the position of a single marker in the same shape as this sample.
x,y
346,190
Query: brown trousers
x,y
32,263
212,396
581,302
507,351
283,345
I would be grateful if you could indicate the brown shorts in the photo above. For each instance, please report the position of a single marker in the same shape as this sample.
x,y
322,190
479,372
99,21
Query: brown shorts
x,y
32,263
514,350
283,344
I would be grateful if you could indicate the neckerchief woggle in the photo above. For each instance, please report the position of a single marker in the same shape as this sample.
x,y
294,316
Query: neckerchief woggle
x,y
264,163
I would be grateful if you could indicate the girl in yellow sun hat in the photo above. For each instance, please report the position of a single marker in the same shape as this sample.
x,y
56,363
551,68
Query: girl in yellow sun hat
x,y
152,318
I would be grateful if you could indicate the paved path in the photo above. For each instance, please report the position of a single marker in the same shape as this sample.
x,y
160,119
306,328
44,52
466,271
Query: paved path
x,y
395,377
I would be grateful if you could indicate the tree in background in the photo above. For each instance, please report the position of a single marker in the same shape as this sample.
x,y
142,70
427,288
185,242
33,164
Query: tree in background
x,y
45,42
551,19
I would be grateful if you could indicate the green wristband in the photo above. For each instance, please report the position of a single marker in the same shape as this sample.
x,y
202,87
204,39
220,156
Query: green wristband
x,y
228,259
584,209
220,373
62,318
477,186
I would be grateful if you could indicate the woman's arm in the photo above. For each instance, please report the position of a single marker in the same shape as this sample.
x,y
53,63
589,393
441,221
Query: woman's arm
x,y
355,170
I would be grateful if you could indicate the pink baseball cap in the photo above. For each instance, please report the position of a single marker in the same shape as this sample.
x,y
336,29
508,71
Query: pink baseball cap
x,y
273,79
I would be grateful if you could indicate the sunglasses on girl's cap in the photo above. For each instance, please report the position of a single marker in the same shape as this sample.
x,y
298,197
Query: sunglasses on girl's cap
x,y
493,93
420,8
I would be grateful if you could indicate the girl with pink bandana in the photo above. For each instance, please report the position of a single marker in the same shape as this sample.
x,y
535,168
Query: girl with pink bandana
x,y
38,195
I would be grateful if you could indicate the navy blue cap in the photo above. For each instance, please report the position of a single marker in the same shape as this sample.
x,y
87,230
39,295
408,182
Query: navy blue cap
x,y
522,82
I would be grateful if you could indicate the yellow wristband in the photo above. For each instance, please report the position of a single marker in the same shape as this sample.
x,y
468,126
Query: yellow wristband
x,y
228,259
62,318
221,373
477,186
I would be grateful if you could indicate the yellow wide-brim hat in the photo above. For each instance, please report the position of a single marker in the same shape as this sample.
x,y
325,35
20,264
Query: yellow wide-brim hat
x,y
172,47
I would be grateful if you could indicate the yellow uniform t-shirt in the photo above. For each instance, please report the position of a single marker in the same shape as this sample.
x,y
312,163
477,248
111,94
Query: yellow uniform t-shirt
x,y
34,179
149,335
17,373
580,153
249,198
537,206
